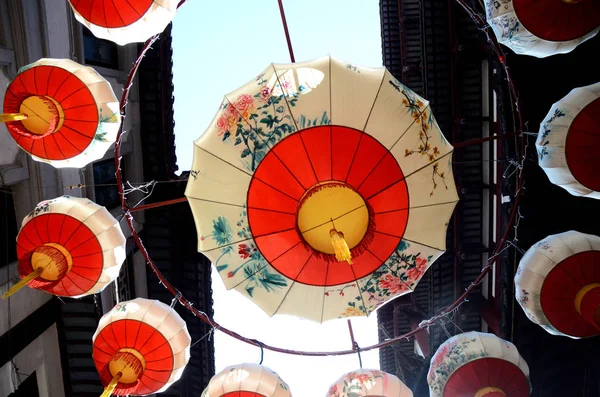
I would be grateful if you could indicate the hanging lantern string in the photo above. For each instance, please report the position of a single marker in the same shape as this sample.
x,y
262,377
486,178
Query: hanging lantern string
x,y
358,353
209,334
175,299
286,30
262,351
500,246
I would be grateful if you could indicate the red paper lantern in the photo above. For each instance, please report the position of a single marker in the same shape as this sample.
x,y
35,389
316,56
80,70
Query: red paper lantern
x,y
124,21
62,113
140,347
69,247
478,364
247,380
558,284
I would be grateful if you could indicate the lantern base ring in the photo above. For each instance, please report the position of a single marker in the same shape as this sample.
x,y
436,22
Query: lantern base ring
x,y
129,363
587,303
54,259
44,115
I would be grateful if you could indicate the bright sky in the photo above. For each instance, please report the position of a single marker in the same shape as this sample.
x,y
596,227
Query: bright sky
x,y
217,47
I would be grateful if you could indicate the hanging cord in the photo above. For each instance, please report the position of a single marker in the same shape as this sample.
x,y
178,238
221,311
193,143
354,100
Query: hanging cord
x,y
287,32
358,353
500,246
262,351
209,334
176,298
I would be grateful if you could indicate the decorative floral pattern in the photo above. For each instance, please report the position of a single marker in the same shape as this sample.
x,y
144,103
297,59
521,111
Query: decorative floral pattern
x,y
543,245
354,310
524,296
400,273
256,122
105,127
495,8
546,129
340,291
353,68
257,272
221,231
426,120
356,384
42,207
454,353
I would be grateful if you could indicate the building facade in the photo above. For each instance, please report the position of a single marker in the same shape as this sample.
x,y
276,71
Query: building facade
x,y
435,48
48,341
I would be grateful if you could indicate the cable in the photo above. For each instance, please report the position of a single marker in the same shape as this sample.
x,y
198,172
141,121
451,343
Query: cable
x,y
287,32
500,246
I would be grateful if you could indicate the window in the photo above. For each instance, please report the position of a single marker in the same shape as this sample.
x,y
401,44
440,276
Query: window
x,y
105,187
8,225
99,52
27,388
125,280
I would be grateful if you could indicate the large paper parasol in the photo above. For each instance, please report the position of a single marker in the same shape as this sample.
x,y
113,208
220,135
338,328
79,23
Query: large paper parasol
x,y
542,28
569,141
124,21
61,112
558,284
69,247
314,165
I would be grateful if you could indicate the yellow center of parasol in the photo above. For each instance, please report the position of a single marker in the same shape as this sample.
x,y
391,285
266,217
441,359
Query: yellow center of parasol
x,y
489,390
54,259
44,115
572,1
332,205
129,363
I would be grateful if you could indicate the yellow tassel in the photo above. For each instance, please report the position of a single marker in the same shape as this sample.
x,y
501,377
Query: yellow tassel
x,y
342,252
6,117
34,274
112,385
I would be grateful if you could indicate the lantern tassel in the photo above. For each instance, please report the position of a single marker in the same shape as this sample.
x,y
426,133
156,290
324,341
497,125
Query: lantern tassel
x,y
342,252
6,117
112,385
34,274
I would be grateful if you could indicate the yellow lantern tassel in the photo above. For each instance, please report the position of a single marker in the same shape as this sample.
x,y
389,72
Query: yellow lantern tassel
x,y
111,386
342,252
6,117
34,274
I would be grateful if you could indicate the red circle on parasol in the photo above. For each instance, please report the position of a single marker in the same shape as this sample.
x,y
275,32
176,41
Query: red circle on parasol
x,y
319,179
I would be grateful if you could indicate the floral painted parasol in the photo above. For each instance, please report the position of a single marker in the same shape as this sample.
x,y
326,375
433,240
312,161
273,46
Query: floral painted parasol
x,y
322,189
